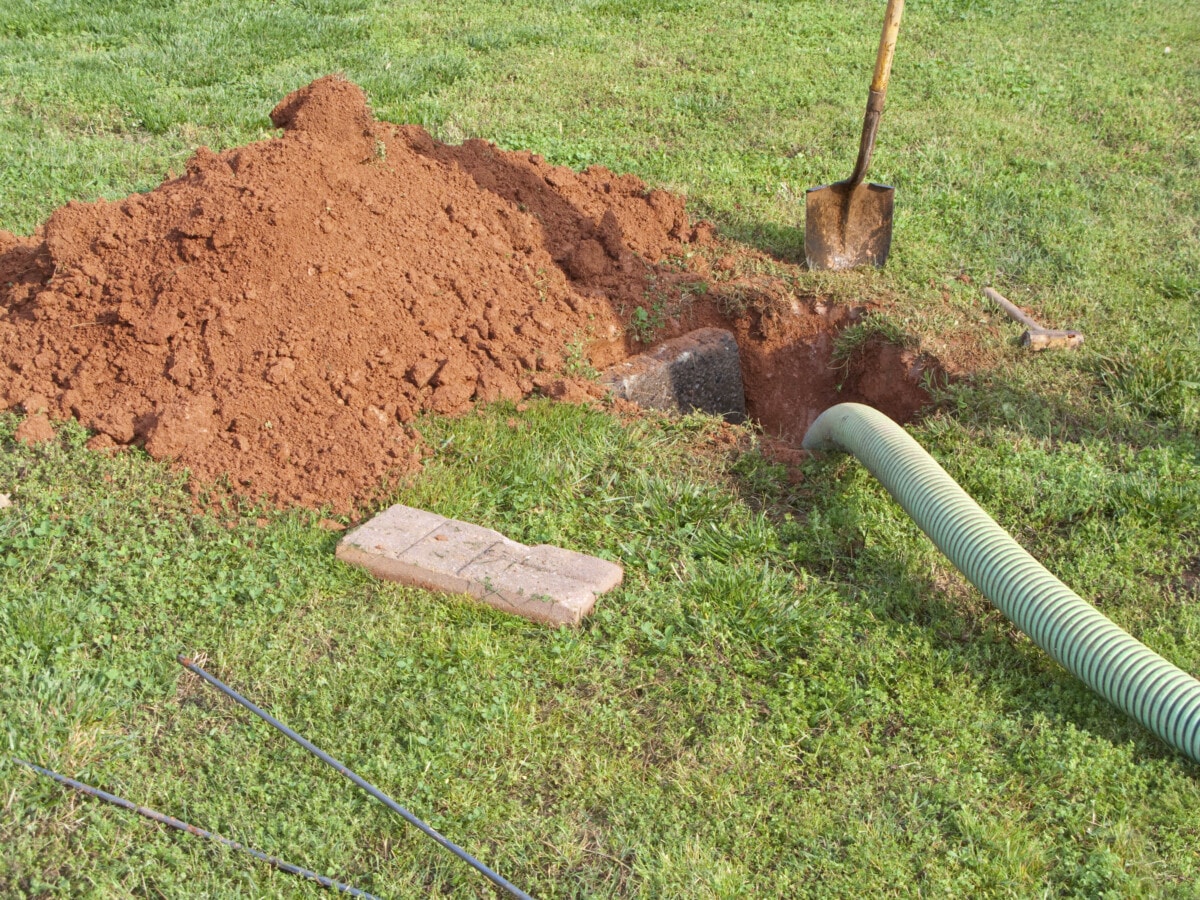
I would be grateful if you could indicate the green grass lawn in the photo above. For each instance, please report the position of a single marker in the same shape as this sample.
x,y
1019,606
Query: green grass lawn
x,y
793,694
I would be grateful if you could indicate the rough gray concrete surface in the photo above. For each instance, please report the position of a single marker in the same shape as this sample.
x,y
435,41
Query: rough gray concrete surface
x,y
543,583
696,371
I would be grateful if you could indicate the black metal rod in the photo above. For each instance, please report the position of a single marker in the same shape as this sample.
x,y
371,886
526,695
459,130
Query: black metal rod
x,y
379,795
198,832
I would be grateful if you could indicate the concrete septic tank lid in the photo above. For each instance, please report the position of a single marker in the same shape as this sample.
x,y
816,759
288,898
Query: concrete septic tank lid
x,y
543,583
698,371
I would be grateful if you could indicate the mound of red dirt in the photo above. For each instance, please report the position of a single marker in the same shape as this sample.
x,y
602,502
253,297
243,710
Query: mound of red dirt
x,y
283,310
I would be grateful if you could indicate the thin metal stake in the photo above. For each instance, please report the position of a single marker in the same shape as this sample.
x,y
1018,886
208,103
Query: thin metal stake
x,y
198,832
379,795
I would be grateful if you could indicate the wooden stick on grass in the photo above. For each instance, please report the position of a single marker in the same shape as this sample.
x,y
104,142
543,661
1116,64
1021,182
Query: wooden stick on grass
x,y
1035,337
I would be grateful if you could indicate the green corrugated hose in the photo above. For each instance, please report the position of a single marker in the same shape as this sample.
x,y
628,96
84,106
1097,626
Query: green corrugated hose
x,y
1106,658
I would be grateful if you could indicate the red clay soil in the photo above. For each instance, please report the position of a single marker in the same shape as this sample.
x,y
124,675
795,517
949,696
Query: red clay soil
x,y
283,310
791,377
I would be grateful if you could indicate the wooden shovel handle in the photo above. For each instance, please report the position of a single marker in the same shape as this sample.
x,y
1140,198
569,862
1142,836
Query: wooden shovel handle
x,y
883,70
887,46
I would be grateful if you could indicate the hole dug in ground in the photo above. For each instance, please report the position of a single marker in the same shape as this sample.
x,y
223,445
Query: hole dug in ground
x,y
799,355
802,356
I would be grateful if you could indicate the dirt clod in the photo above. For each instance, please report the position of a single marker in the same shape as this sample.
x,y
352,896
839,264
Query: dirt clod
x,y
35,430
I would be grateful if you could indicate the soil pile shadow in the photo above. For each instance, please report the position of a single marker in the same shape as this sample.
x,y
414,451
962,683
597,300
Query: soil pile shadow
x,y
281,312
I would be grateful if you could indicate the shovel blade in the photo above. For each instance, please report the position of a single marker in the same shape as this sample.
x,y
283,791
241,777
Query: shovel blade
x,y
848,225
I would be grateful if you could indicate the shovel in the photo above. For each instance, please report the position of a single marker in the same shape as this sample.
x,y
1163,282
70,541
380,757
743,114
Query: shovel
x,y
849,223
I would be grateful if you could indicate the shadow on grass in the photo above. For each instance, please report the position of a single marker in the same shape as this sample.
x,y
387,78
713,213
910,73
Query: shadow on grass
x,y
783,242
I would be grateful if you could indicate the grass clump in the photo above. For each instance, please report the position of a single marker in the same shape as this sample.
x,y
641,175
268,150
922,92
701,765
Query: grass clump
x,y
1161,382
878,327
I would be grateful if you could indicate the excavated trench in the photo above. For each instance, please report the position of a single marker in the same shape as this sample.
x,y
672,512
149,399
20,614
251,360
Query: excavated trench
x,y
800,355
279,314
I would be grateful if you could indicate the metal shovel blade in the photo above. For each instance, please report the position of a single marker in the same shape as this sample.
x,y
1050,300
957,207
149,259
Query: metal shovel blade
x,y
848,225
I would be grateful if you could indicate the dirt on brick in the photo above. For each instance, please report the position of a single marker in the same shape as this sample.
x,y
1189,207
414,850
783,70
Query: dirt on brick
x,y
281,312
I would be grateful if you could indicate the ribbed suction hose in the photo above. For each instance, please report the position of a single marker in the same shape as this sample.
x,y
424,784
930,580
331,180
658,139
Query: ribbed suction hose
x,y
1106,658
